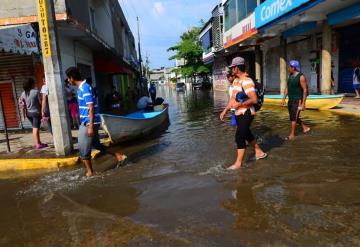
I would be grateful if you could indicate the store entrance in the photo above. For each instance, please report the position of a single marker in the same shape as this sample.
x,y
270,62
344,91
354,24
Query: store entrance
x,y
349,56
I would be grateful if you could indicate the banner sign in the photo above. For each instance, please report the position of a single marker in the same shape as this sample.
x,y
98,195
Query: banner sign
x,y
240,32
18,39
273,9
44,28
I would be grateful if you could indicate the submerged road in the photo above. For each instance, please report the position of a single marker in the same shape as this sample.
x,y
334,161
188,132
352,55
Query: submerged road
x,y
175,192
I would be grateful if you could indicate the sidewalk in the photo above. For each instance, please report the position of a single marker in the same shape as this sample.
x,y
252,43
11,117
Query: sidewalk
x,y
349,106
23,156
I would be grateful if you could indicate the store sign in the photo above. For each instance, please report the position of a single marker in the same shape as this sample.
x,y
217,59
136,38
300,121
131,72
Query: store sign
x,y
18,39
273,9
44,28
240,32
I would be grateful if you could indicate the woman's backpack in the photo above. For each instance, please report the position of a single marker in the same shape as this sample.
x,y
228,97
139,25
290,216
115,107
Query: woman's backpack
x,y
260,92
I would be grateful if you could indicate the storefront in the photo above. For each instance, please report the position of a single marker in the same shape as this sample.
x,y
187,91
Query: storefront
x,y
109,72
19,61
346,23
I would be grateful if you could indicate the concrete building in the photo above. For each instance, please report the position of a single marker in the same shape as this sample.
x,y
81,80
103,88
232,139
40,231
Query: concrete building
x,y
312,32
211,38
321,34
92,35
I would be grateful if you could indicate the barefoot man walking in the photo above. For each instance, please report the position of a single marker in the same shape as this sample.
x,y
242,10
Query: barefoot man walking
x,y
297,91
89,121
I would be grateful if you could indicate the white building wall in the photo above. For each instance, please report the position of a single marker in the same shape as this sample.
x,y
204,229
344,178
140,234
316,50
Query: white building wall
x,y
103,20
298,50
73,52
301,51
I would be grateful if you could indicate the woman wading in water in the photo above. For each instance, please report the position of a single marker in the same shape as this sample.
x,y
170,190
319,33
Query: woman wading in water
x,y
242,100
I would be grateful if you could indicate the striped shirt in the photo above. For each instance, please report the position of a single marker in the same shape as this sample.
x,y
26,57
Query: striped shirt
x,y
247,86
85,97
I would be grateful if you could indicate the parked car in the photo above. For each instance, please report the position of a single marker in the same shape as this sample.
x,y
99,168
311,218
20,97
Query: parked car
x,y
180,87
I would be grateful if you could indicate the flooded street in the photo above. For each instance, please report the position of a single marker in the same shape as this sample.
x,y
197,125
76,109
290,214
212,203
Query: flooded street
x,y
175,192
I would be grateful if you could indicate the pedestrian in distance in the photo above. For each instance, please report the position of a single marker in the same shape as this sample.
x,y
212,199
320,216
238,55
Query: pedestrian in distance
x,y
45,110
89,121
243,100
152,92
356,82
30,107
230,78
297,91
72,104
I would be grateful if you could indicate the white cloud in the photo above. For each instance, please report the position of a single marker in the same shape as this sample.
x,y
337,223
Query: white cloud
x,y
158,9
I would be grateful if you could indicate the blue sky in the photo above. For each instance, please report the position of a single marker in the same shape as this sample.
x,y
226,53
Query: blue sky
x,y
162,22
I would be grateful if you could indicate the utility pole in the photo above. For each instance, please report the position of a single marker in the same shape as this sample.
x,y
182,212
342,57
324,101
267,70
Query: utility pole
x,y
139,47
51,58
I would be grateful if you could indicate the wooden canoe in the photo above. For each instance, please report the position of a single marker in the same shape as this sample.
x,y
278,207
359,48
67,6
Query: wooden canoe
x,y
317,102
133,125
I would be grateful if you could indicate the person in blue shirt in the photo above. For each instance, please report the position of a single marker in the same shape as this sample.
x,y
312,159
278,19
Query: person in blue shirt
x,y
89,121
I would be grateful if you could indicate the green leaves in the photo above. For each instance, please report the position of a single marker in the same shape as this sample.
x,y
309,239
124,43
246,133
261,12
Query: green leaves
x,y
189,49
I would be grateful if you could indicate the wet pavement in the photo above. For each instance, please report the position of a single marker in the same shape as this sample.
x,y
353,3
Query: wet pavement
x,y
175,192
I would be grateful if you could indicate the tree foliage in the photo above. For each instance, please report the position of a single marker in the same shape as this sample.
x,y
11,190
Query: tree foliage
x,y
189,48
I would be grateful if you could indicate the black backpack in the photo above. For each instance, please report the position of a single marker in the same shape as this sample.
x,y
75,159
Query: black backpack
x,y
260,92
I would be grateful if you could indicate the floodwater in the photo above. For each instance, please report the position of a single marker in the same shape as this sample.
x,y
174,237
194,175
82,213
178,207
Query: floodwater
x,y
175,192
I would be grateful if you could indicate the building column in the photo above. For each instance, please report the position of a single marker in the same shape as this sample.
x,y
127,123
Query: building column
x,y
283,66
325,86
53,75
258,64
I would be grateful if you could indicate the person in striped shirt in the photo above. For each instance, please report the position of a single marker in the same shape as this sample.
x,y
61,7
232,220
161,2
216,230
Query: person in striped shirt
x,y
89,121
242,100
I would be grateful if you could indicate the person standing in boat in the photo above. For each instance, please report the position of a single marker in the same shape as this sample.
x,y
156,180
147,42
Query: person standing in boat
x,y
297,91
89,121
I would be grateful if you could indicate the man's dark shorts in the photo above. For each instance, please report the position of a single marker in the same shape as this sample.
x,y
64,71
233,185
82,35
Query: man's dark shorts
x,y
294,112
34,119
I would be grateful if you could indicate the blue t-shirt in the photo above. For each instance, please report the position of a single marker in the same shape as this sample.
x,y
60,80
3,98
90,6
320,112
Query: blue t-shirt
x,y
86,96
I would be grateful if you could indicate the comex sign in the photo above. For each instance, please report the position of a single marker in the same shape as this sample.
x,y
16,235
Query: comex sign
x,y
273,9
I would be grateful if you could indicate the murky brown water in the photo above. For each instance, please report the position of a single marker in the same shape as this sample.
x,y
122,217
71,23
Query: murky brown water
x,y
175,192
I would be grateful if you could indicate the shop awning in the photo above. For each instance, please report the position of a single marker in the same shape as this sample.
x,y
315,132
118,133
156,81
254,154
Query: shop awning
x,y
343,15
109,65
18,39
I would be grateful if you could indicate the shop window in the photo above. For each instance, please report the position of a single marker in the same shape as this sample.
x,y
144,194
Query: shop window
x,y
241,10
251,5
237,10
206,41
92,20
230,14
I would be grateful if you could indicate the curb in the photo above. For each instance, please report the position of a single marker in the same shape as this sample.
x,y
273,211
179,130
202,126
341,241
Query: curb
x,y
33,164
38,163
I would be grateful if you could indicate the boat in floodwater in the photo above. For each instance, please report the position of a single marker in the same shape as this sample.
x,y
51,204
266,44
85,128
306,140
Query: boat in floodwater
x,y
315,102
133,125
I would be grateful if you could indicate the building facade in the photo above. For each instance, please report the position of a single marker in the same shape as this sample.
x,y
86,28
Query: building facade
x,y
321,34
92,35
